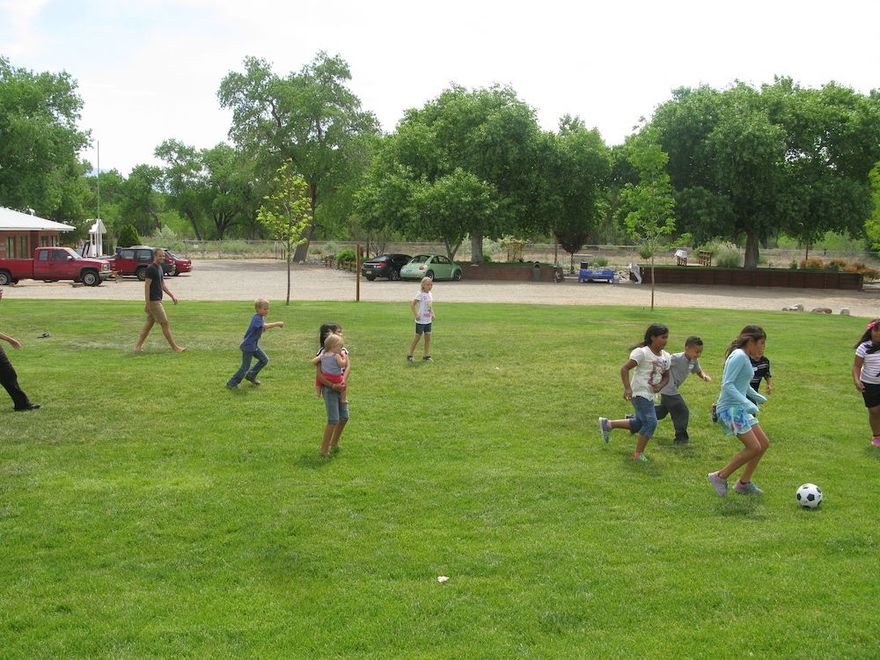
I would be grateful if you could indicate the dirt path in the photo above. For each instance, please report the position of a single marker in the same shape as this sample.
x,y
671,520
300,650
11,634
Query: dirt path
x,y
246,280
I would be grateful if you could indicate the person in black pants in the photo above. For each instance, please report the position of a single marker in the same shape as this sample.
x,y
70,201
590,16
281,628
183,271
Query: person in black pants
x,y
8,377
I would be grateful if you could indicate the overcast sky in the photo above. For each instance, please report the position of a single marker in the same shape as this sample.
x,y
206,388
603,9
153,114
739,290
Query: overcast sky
x,y
149,70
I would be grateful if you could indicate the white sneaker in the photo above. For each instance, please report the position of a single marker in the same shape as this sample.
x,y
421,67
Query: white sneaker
x,y
604,428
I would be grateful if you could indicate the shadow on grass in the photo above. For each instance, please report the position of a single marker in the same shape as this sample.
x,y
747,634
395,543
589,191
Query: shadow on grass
x,y
872,452
312,460
740,506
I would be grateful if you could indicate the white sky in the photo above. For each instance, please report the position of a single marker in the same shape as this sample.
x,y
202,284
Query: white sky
x,y
149,70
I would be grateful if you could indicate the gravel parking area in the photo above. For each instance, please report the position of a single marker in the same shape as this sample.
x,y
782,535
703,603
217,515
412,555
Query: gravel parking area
x,y
246,280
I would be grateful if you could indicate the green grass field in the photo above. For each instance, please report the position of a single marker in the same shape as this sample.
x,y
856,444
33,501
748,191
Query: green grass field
x,y
148,511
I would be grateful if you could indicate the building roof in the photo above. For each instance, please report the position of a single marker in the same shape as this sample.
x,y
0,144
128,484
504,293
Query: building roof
x,y
17,221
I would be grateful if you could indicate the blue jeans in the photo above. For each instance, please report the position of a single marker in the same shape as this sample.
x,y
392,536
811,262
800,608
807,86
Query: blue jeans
x,y
336,410
645,421
245,371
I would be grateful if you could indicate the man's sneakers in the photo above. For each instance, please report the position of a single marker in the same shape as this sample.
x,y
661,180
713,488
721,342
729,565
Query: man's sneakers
x,y
718,483
604,428
28,406
747,488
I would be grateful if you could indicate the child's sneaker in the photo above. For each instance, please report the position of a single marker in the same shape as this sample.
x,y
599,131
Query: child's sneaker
x,y
876,441
409,358
714,414
604,428
747,489
230,386
639,458
253,379
719,484
428,358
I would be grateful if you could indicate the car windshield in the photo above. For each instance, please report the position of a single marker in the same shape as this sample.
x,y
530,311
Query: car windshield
x,y
420,259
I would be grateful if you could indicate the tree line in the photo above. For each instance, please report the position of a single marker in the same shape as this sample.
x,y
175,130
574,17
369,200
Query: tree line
x,y
744,164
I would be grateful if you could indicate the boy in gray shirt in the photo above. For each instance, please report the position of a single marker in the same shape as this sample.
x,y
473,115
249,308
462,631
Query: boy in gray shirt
x,y
671,401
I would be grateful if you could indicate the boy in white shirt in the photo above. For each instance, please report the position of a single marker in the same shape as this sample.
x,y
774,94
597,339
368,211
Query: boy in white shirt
x,y
422,307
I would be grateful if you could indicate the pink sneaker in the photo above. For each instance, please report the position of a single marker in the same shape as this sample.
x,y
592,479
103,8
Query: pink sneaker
x,y
747,489
719,484
876,441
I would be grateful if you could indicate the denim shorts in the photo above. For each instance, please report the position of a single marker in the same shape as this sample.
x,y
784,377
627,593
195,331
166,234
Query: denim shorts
x,y
645,421
423,328
336,410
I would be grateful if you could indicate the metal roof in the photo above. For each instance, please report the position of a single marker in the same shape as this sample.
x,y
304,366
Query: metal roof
x,y
17,221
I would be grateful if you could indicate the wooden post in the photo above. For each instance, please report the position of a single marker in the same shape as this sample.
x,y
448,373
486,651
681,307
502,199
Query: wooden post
x,y
357,262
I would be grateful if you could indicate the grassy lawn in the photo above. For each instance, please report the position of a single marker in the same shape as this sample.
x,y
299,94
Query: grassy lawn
x,y
148,511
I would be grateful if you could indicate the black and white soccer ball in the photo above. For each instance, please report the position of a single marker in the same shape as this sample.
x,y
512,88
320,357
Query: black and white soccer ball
x,y
809,496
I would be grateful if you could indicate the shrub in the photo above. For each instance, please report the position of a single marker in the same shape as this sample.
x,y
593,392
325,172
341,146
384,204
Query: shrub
x,y
128,236
794,264
812,264
601,262
345,256
836,265
727,255
487,258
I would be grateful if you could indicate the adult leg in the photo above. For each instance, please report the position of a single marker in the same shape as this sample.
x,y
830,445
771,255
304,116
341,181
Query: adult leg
x,y
262,361
9,379
166,330
142,337
237,377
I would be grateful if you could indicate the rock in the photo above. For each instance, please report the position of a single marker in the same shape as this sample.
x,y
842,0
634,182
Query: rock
x,y
793,308
844,311
821,310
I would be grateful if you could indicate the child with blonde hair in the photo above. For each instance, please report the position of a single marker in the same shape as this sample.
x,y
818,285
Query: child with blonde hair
x,y
422,307
250,346
332,362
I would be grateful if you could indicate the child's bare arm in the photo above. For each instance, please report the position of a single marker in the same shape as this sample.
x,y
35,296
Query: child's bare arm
x,y
624,376
316,360
414,307
341,360
274,324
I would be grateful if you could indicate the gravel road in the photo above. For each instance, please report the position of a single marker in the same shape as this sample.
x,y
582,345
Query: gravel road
x,y
246,280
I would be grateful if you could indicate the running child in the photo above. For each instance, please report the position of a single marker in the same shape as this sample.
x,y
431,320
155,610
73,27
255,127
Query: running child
x,y
736,409
761,368
250,348
651,364
866,375
422,307
672,403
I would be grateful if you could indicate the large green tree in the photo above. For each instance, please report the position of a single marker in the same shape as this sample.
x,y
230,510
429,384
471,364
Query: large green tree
x,y
747,163
484,138
310,118
212,188
40,143
576,168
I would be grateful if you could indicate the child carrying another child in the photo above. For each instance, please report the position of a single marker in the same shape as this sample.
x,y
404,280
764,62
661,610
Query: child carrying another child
x,y
651,364
671,401
332,362
250,348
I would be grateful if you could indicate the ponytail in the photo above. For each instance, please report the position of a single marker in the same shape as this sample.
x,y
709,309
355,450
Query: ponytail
x,y
654,330
750,332
866,335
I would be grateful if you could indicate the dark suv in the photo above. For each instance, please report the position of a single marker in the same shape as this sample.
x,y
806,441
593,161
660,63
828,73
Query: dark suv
x,y
385,265
135,259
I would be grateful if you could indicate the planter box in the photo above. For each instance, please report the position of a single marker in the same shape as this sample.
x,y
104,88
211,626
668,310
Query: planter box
x,y
508,272
802,279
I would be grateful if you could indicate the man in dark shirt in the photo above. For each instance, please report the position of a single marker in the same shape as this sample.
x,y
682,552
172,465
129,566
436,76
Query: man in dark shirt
x,y
8,377
154,285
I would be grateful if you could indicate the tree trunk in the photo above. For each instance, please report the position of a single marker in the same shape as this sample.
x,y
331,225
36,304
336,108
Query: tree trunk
x,y
652,282
302,250
477,247
751,257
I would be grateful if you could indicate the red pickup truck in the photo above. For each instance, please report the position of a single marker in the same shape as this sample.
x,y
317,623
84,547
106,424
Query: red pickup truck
x,y
55,263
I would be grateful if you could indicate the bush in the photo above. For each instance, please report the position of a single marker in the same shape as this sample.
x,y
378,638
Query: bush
x,y
487,259
601,262
836,265
812,264
345,256
727,255
128,236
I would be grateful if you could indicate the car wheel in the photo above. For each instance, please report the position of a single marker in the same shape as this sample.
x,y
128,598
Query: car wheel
x,y
395,275
141,273
456,276
5,278
430,274
90,278
49,281
371,277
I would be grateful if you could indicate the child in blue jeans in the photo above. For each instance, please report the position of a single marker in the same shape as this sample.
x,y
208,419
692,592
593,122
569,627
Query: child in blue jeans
x,y
250,348
651,364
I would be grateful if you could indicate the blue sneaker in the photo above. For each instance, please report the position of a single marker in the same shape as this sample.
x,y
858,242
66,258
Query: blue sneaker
x,y
604,428
640,458
747,489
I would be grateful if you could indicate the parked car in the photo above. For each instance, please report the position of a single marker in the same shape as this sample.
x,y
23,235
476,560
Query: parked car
x,y
135,259
181,264
51,264
435,266
385,265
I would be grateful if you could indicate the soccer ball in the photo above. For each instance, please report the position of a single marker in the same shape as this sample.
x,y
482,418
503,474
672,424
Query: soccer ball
x,y
809,496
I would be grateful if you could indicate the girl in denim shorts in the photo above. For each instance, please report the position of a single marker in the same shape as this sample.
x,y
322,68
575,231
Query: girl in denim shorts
x,y
736,409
